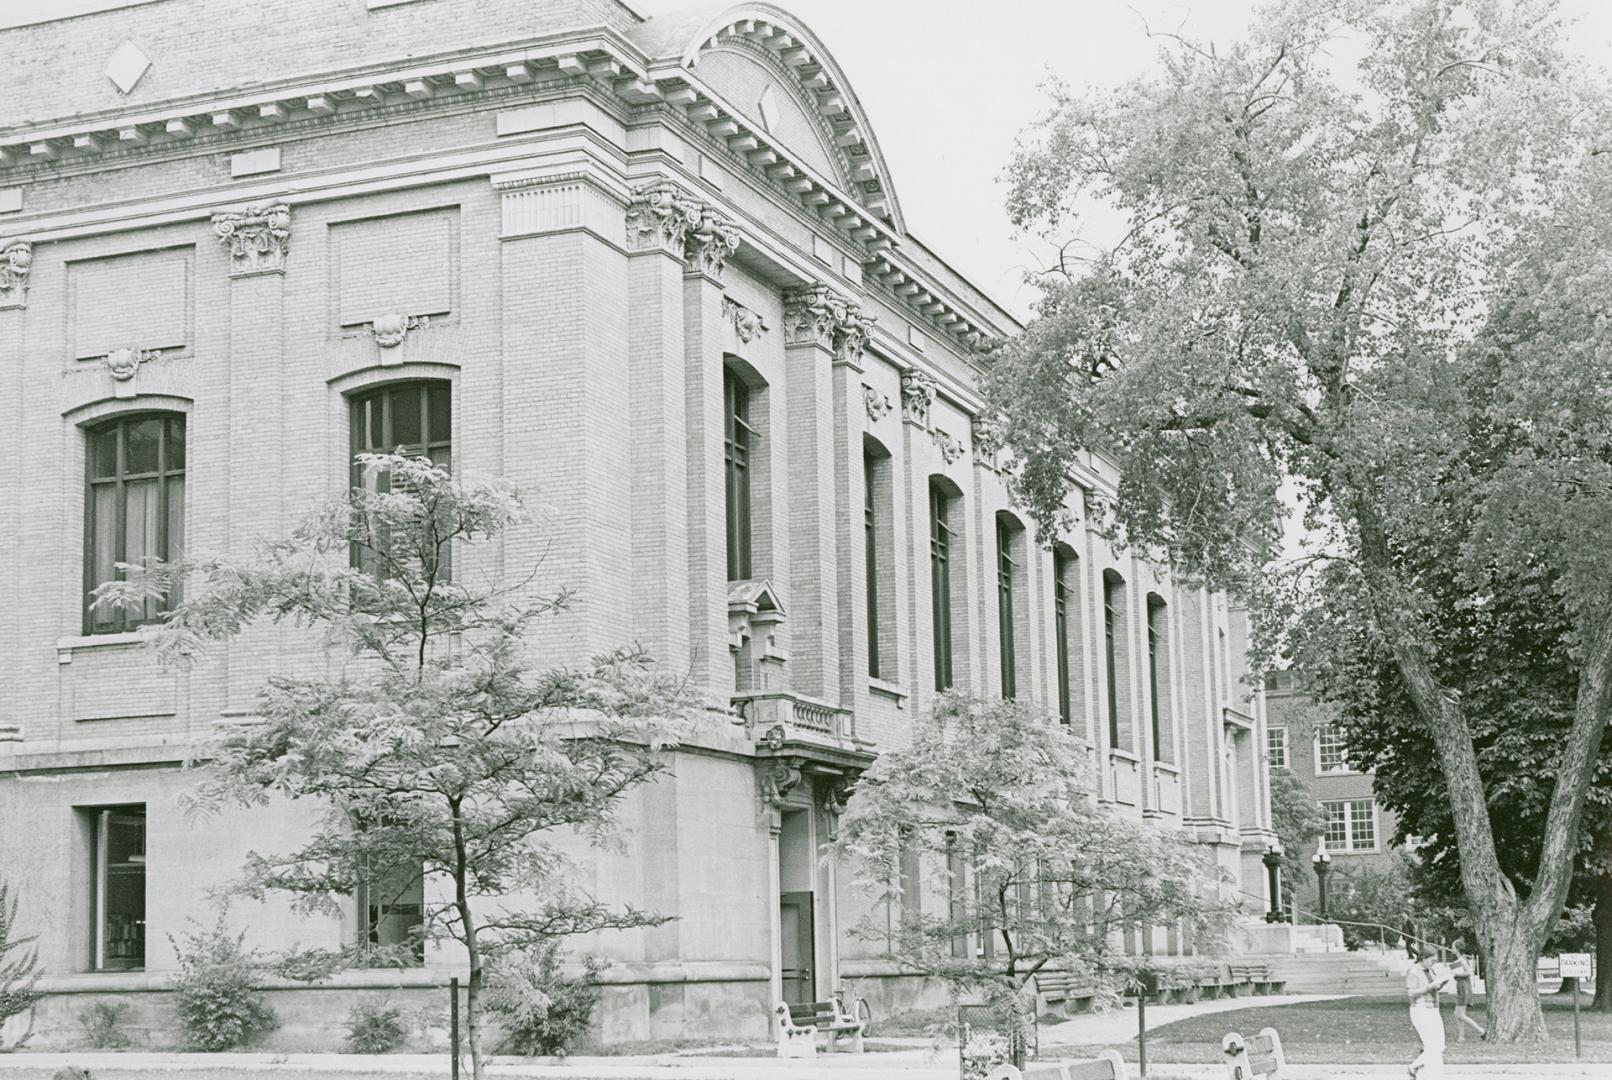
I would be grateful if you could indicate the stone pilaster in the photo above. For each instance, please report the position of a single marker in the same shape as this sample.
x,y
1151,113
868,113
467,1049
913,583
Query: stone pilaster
x,y
824,335
708,241
659,220
851,415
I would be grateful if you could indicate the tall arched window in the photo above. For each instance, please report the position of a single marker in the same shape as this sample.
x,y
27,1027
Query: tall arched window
x,y
1066,625
1116,658
879,550
738,439
1158,677
414,417
1009,581
134,508
942,533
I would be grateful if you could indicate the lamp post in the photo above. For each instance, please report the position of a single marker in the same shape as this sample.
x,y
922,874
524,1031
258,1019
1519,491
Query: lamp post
x,y
1273,866
1323,865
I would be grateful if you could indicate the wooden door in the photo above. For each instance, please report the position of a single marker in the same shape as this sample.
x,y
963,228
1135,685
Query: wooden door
x,y
798,947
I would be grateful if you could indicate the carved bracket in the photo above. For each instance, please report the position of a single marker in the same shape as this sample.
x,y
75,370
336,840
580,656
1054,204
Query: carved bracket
x,y
16,259
878,404
951,447
917,394
257,238
123,365
746,323
390,330
777,778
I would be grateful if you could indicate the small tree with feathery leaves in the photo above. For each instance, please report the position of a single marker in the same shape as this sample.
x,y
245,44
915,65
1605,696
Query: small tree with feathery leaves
x,y
443,750
1053,876
19,967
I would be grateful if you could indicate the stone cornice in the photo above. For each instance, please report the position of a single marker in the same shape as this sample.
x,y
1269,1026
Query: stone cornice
x,y
927,300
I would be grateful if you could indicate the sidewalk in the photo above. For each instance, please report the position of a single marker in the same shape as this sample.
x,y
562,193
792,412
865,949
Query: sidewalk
x,y
1118,1026
903,1065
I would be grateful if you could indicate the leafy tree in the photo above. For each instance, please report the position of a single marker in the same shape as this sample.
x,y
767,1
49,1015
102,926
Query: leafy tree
x,y
1053,877
1364,256
19,966
1299,823
443,751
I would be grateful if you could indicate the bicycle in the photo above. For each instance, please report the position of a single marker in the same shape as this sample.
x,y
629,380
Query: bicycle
x,y
858,1009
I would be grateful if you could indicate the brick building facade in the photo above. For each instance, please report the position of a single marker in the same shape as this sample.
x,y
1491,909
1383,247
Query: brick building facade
x,y
656,273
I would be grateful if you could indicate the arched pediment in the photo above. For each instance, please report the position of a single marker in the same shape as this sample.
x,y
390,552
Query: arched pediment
x,y
776,73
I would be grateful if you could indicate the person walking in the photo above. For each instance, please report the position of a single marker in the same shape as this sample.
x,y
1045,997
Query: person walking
x,y
1422,984
1462,970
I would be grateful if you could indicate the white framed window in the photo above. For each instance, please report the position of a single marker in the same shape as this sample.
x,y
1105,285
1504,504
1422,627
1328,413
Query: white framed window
x,y
1276,747
1331,752
1351,825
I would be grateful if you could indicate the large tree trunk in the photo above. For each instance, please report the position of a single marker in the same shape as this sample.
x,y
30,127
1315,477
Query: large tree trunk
x,y
1603,923
1510,983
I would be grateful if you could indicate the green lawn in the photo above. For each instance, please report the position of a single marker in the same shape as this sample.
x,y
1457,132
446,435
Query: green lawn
x,y
1370,1031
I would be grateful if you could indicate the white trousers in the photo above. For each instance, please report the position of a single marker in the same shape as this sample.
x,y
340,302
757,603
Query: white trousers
x,y
1429,1025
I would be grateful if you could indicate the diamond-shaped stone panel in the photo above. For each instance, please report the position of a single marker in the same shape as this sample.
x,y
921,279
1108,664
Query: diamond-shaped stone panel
x,y
767,107
127,66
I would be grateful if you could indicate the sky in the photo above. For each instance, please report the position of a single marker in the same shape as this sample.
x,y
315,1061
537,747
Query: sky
x,y
949,84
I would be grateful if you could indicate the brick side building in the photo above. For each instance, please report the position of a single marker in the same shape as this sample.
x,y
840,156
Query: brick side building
x,y
1301,739
656,273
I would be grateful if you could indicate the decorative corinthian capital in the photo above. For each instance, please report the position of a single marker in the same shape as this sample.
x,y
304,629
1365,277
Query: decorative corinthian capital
x,y
917,394
257,238
660,218
710,242
851,335
16,259
811,315
988,446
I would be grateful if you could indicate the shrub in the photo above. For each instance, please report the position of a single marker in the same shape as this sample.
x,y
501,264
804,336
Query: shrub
x,y
540,1011
101,1024
19,967
375,1027
216,991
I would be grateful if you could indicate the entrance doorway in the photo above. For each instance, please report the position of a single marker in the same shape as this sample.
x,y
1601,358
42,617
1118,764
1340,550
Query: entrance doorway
x,y
797,947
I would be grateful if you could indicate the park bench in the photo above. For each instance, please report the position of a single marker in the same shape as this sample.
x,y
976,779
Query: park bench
x,y
1058,986
1105,1066
1253,978
799,1025
1251,1059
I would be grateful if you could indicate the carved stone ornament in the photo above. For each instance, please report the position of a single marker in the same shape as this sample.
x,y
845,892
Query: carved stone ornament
x,y
123,363
257,238
917,394
390,330
987,440
810,315
851,336
710,243
951,447
878,404
16,260
834,793
778,778
746,323
660,218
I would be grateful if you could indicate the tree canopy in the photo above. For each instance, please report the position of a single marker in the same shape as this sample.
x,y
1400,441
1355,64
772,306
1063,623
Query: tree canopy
x,y
1363,260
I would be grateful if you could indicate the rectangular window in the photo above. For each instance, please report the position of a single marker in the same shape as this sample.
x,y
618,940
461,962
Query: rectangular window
x,y
391,904
134,510
1062,576
870,528
1006,577
1276,747
1158,677
1331,754
120,888
940,586
1351,825
414,418
739,437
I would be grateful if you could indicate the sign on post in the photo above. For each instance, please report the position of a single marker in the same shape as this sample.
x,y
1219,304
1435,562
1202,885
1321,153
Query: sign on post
x,y
1575,965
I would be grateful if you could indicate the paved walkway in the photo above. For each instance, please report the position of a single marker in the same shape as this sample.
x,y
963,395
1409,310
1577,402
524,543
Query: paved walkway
x,y
902,1065
1119,1025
